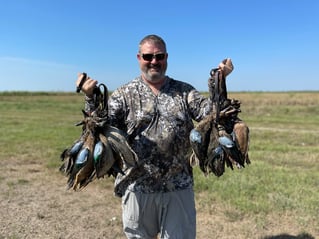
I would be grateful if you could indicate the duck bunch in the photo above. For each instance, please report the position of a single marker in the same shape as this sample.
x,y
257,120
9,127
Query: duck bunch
x,y
221,138
100,150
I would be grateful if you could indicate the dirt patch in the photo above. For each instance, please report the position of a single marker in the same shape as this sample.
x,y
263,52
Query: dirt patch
x,y
36,204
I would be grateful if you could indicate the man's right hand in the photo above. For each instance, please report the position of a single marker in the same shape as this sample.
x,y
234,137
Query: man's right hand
x,y
88,85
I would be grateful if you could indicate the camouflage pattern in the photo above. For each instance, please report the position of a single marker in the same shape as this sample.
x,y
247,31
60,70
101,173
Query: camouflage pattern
x,y
157,128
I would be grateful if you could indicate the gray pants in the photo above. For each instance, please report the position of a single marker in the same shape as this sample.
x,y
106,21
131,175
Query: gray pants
x,y
171,215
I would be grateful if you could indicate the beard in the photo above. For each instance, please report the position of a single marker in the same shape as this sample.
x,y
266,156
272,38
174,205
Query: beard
x,y
154,73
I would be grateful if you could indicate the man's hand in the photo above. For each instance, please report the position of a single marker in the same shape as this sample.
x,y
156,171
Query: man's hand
x,y
226,66
88,85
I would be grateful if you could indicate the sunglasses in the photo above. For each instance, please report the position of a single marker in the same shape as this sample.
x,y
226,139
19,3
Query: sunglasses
x,y
150,57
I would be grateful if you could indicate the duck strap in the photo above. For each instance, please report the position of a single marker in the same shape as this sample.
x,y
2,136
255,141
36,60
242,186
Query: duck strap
x,y
215,96
101,98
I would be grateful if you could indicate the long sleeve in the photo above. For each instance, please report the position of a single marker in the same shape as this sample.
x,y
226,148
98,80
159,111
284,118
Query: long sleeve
x,y
90,104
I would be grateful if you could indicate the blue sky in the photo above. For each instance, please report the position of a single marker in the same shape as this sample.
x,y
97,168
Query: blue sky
x,y
274,44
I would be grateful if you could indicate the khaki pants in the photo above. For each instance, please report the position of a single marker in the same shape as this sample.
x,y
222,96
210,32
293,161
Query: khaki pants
x,y
169,215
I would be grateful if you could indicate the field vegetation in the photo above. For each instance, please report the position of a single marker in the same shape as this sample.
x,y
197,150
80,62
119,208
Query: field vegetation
x,y
277,196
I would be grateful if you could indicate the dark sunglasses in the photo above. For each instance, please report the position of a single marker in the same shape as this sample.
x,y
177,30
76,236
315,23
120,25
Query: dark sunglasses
x,y
150,57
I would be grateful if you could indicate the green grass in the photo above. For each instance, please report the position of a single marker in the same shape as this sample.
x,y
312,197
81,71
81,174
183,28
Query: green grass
x,y
284,148
38,126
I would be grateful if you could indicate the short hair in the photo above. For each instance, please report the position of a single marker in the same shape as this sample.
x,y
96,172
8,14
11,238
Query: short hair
x,y
155,39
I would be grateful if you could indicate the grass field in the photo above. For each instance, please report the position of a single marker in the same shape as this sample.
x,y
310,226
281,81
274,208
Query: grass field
x,y
277,196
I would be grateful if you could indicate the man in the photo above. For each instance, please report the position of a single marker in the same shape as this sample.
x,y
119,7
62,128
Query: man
x,y
156,112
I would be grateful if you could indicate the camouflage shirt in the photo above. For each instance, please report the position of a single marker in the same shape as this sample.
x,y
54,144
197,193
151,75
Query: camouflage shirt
x,y
157,128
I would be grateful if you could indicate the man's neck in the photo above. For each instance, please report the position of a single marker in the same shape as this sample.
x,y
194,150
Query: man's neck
x,y
155,86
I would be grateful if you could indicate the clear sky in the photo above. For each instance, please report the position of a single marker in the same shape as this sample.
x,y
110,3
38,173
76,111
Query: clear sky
x,y
274,44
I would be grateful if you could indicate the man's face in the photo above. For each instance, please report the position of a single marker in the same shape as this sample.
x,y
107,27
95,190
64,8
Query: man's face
x,y
153,62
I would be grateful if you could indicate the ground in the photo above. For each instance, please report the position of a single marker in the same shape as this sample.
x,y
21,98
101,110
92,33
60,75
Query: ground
x,y
36,204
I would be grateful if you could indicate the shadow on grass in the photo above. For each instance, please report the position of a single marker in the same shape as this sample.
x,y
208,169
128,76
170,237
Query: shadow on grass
x,y
287,236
